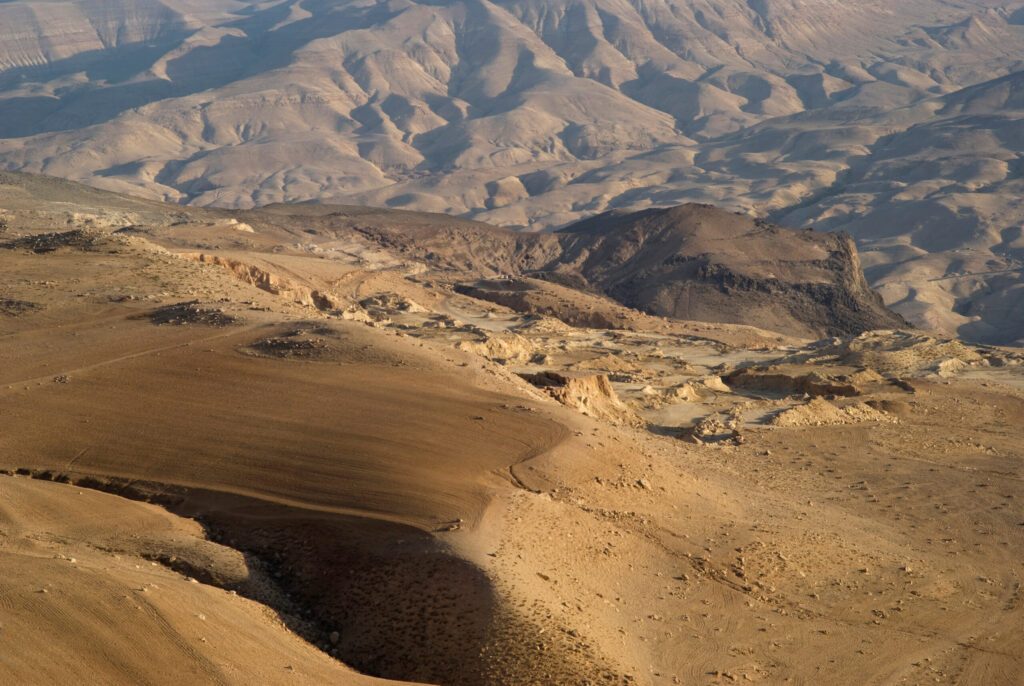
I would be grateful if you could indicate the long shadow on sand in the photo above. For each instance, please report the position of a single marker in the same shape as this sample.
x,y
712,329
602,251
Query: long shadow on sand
x,y
387,599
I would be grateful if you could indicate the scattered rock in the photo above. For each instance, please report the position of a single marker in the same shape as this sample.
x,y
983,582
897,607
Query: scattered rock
x,y
780,379
820,412
15,308
591,394
78,239
389,303
503,347
710,429
191,312
950,368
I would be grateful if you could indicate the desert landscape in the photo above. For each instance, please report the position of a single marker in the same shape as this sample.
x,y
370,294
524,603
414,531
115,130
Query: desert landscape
x,y
897,122
335,444
511,342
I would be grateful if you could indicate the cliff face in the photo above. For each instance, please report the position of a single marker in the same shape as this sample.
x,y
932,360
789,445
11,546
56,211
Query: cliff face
x,y
688,262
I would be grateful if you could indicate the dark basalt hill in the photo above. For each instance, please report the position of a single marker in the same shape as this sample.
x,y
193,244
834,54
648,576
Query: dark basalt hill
x,y
699,262
689,262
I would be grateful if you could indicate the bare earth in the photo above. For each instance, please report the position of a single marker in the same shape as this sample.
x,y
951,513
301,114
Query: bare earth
x,y
307,458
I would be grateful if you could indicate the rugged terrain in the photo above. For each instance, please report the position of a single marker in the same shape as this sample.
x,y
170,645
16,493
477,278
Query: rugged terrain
x,y
899,123
692,262
284,446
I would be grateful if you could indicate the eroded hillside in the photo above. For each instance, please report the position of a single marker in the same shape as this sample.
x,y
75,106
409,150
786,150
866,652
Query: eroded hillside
x,y
895,122
357,473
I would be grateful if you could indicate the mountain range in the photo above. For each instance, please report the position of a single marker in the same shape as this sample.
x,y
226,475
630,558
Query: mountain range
x,y
901,124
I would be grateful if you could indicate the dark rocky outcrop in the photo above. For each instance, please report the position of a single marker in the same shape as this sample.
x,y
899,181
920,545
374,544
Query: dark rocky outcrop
x,y
692,262
700,262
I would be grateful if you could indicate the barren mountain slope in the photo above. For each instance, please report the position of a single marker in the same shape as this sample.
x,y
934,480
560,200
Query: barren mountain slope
x,y
348,446
362,468
692,262
937,211
698,262
535,114
397,478
517,97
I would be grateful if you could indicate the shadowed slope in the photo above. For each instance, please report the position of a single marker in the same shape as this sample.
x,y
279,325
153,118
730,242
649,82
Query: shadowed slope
x,y
368,433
